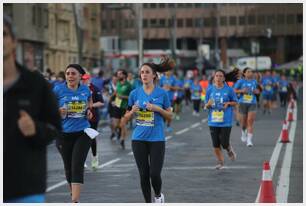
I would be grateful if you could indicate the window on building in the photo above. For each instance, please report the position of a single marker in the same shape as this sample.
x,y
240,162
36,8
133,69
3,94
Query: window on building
x,y
145,6
112,26
290,19
197,5
270,19
126,23
39,16
180,5
189,23
233,20
299,18
180,23
251,20
153,23
162,23
261,19
198,23
280,19
223,21
207,22
242,20
162,5
46,18
153,6
171,5
34,15
145,23
131,23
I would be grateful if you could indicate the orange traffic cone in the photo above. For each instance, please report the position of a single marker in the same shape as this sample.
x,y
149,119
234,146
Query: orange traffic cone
x,y
267,194
285,138
290,115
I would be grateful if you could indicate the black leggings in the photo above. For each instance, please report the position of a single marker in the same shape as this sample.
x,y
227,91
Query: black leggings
x,y
149,158
93,145
220,136
73,148
196,104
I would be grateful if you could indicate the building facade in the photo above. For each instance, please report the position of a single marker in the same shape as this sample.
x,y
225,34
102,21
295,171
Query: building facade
x,y
30,21
47,35
277,28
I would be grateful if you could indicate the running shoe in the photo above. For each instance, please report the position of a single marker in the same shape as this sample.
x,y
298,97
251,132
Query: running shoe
x,y
231,154
85,165
243,136
249,142
95,162
160,199
220,165
169,129
237,123
122,144
177,117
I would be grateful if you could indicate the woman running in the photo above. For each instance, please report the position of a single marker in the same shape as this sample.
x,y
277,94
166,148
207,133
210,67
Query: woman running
x,y
247,88
75,103
220,100
151,105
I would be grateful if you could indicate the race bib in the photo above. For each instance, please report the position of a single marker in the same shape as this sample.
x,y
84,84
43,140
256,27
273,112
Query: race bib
x,y
247,98
118,102
268,87
76,109
186,85
284,89
145,118
217,116
196,93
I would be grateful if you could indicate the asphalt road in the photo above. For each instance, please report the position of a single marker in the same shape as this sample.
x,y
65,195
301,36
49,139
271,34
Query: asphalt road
x,y
188,173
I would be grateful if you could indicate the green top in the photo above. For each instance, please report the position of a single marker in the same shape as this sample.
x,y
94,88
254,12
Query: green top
x,y
123,90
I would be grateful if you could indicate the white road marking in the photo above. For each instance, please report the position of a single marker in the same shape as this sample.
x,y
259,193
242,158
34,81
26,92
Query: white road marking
x,y
182,131
282,189
65,182
168,137
208,167
195,125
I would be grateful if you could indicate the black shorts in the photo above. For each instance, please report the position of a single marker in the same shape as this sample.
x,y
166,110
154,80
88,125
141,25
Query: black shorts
x,y
220,136
178,100
117,112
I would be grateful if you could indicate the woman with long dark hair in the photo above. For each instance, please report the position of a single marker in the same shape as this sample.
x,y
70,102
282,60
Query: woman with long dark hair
x,y
75,102
151,106
220,100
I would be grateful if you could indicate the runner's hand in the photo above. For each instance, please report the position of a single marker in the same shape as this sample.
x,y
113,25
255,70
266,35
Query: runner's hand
x,y
26,124
256,91
152,107
63,111
89,114
225,105
135,108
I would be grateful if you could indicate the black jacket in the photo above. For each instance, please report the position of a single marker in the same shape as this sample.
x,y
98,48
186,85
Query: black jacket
x,y
24,158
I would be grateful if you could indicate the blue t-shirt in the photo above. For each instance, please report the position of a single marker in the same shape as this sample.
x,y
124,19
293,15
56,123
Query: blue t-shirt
x,y
187,83
283,86
76,103
180,84
217,116
267,83
171,81
98,82
251,85
195,91
149,125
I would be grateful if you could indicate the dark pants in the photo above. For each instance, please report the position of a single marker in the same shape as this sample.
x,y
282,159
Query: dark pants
x,y
149,157
93,145
73,148
196,105
283,98
220,136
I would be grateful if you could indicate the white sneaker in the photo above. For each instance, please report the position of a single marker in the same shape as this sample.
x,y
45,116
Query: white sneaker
x,y
193,113
95,162
243,136
232,154
85,165
160,199
249,142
